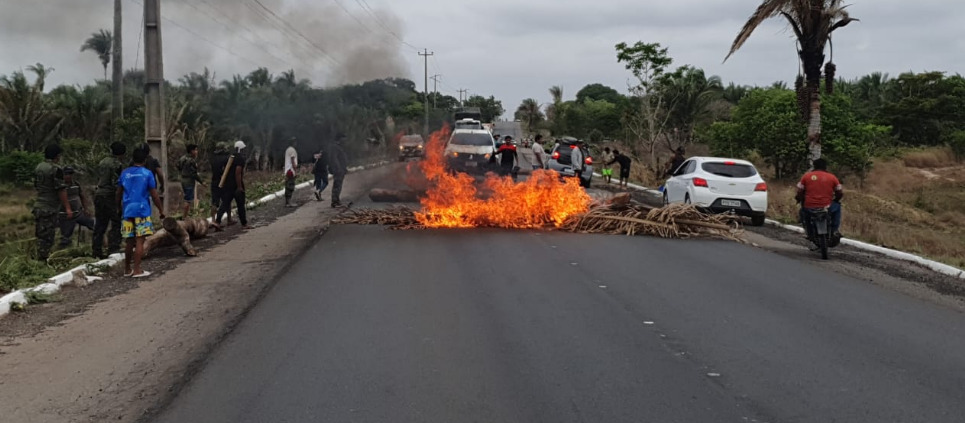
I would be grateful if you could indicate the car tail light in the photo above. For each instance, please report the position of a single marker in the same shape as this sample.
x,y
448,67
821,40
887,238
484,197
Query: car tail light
x,y
700,182
589,160
556,155
761,187
573,147
729,163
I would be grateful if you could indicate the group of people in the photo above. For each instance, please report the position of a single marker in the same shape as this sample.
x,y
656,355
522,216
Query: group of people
x,y
124,192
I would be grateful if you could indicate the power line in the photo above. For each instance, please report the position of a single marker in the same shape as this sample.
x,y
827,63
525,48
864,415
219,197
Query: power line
x,y
365,6
319,48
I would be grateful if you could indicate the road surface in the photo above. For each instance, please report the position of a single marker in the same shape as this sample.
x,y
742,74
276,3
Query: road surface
x,y
376,325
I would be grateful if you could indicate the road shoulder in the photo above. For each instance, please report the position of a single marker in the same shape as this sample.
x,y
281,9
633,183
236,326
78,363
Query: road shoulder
x,y
123,358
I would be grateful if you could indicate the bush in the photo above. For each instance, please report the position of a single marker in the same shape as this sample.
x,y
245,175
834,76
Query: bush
x,y
957,142
18,167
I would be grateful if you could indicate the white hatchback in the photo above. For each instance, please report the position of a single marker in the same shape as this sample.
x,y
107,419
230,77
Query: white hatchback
x,y
719,185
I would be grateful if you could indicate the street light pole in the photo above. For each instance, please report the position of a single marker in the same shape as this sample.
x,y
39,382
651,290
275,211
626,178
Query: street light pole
x,y
425,129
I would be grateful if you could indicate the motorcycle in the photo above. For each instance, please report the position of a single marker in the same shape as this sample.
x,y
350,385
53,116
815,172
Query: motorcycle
x,y
818,232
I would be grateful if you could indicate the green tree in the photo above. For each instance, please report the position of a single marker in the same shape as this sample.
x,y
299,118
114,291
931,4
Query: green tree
x,y
649,118
100,43
530,114
813,22
600,92
26,117
490,108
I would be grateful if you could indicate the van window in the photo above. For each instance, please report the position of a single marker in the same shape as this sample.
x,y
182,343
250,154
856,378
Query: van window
x,y
471,139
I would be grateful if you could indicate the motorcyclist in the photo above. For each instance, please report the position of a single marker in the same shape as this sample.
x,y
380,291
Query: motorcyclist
x,y
820,189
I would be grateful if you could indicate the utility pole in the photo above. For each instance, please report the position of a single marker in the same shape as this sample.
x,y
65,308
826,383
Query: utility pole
x,y
154,125
117,105
461,92
435,89
425,129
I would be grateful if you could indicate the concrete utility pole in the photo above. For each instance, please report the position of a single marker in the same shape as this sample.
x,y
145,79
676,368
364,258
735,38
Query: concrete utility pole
x,y
435,89
461,92
154,125
425,129
117,105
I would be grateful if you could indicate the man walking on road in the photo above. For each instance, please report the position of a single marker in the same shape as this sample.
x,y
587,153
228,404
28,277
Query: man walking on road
x,y
51,197
539,152
291,165
135,190
219,161
338,164
234,187
105,203
607,171
79,204
188,166
625,163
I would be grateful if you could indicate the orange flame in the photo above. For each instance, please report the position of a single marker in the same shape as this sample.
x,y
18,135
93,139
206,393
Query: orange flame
x,y
454,201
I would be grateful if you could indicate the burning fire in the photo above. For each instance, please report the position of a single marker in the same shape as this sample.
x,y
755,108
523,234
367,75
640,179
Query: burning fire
x,y
453,200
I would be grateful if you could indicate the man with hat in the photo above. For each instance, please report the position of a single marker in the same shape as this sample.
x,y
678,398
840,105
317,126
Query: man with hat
x,y
79,204
338,165
51,199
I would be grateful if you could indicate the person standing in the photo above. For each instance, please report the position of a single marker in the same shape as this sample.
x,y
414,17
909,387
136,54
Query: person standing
x,y
508,158
320,170
338,164
79,204
106,212
234,187
577,161
154,165
219,161
291,165
135,189
678,159
188,166
539,152
625,163
51,199
607,171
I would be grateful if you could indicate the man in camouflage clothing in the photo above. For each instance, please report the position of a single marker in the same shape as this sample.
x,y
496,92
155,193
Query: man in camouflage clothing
x,y
105,203
80,206
51,196
188,166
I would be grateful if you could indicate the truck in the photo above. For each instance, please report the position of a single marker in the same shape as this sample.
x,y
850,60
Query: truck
x,y
462,117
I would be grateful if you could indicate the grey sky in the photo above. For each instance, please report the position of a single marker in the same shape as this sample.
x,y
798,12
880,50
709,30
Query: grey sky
x,y
507,48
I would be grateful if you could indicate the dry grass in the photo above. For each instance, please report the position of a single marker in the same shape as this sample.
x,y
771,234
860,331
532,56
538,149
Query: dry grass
x,y
930,158
898,206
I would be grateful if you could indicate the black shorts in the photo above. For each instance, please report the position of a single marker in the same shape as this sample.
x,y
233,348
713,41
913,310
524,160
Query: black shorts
x,y
216,194
624,173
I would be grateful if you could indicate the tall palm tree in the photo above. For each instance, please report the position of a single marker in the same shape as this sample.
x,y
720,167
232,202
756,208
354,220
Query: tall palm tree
x,y
530,113
554,111
688,94
25,115
101,44
813,22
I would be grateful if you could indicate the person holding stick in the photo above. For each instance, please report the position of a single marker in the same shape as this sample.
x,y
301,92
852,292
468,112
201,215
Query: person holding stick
x,y
232,186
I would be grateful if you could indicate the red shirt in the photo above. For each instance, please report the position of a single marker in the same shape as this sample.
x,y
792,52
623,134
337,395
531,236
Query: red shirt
x,y
819,188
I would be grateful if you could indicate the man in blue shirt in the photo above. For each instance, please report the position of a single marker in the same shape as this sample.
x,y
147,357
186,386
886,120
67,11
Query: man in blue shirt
x,y
135,189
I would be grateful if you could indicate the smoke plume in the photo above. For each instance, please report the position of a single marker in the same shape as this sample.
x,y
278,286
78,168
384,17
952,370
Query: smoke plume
x,y
318,40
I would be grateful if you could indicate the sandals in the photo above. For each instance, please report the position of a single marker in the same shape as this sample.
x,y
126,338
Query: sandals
x,y
143,274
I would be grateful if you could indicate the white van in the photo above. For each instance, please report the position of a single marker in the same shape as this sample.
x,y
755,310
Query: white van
x,y
470,150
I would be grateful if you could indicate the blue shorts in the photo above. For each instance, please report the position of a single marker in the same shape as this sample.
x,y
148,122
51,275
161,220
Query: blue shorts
x,y
188,192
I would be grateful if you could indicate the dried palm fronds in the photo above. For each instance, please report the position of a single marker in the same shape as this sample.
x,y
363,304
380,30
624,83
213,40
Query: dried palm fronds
x,y
398,217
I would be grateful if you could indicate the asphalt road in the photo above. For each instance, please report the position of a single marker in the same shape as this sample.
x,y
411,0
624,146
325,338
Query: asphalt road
x,y
374,325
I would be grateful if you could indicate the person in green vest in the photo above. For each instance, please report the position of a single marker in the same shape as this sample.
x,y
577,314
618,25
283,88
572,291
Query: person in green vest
x,y
51,197
105,204
188,167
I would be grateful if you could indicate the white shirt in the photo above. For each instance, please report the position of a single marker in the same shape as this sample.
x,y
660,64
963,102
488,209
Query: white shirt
x,y
290,156
576,159
539,152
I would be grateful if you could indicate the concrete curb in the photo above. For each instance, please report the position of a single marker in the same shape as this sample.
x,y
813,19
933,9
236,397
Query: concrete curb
x,y
88,273
932,265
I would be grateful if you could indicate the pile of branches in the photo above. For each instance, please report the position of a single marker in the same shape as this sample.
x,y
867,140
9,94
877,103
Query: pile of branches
x,y
614,217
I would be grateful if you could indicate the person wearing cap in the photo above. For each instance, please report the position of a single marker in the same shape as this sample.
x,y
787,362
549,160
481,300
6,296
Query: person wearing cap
x,y
51,200
234,187
188,167
219,161
338,165
105,206
79,204
291,165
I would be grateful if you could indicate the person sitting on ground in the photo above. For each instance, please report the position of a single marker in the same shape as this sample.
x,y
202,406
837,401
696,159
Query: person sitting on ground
x,y
135,190
80,206
820,189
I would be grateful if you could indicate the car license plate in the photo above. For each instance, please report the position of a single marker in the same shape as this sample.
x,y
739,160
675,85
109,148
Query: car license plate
x,y
730,203
470,164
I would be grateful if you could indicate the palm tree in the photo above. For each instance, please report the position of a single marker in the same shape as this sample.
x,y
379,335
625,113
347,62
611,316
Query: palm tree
x,y
554,112
530,113
813,22
100,43
25,115
689,94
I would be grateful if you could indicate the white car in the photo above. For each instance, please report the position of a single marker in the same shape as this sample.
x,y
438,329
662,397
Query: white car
x,y
470,150
719,185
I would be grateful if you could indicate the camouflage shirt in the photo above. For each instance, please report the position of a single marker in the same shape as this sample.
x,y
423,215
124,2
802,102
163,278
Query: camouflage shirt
x,y
189,170
48,181
108,172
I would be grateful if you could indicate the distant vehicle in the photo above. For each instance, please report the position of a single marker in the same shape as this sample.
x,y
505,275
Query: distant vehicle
x,y
719,185
411,146
561,163
470,150
468,124
467,113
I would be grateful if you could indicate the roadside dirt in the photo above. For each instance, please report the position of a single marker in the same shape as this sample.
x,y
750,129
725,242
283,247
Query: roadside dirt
x,y
86,359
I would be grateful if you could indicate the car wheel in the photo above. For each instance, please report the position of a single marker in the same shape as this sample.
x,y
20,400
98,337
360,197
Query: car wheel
x,y
757,220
